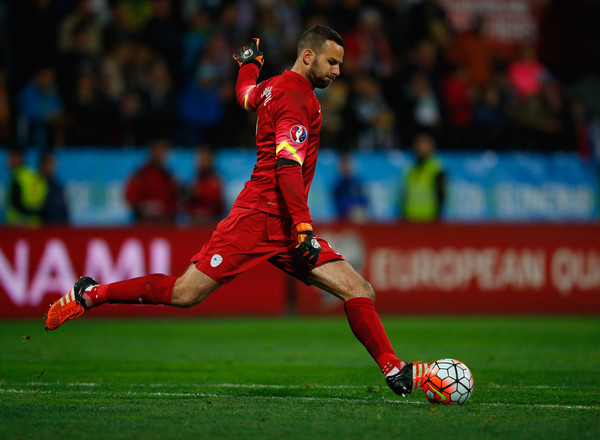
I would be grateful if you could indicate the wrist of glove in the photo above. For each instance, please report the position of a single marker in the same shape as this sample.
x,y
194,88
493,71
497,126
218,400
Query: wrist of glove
x,y
308,247
250,54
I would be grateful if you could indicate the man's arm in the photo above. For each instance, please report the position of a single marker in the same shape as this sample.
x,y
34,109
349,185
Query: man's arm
x,y
245,86
291,184
250,60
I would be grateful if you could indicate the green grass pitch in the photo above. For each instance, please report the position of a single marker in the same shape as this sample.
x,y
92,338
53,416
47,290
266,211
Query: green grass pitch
x,y
535,377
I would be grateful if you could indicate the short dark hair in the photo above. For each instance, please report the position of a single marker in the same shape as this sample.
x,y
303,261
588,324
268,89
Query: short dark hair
x,y
315,37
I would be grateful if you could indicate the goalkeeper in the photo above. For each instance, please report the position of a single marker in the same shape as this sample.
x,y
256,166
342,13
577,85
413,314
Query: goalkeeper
x,y
270,219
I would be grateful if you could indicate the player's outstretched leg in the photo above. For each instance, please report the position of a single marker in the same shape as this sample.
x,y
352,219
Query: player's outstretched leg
x,y
186,291
87,293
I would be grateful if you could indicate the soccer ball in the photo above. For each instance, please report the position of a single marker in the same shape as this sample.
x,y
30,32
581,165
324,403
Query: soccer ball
x,y
448,382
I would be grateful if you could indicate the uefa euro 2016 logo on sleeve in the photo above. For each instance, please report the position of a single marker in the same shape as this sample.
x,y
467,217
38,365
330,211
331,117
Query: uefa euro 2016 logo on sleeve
x,y
298,133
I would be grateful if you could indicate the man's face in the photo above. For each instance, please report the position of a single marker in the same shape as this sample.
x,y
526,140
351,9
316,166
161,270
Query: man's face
x,y
325,67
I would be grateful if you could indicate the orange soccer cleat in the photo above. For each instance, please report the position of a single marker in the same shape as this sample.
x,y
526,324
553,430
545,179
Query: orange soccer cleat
x,y
69,306
409,378
419,370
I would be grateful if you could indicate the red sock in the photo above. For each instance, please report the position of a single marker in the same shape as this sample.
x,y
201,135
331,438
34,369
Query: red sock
x,y
150,289
366,326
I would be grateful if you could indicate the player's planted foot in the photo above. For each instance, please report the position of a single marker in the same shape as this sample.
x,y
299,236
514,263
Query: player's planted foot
x,y
407,379
69,306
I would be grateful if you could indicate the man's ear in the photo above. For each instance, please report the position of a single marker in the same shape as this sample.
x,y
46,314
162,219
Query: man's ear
x,y
308,56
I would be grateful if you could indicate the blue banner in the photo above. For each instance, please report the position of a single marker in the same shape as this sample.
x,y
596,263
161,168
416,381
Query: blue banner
x,y
483,186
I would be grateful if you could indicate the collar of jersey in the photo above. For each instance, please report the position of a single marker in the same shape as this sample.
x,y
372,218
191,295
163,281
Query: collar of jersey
x,y
300,78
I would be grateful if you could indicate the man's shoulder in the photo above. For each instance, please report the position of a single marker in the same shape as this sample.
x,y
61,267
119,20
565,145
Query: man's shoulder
x,y
285,83
289,94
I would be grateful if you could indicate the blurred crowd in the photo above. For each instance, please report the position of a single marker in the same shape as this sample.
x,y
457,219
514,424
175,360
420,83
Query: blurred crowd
x,y
126,72
35,196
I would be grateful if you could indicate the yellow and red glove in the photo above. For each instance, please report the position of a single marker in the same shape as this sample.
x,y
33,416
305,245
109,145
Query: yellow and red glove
x,y
250,54
308,247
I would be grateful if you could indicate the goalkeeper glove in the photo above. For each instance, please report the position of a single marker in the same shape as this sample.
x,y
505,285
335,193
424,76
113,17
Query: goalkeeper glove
x,y
250,54
308,247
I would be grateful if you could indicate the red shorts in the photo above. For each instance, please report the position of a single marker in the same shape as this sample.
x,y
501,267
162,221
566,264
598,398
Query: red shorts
x,y
248,237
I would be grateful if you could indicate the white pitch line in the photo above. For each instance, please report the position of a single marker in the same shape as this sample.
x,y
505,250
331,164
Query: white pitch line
x,y
541,405
12,390
209,385
529,387
224,396
276,386
302,398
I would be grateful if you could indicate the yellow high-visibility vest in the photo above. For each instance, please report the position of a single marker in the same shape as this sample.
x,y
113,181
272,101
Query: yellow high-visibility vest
x,y
34,190
421,198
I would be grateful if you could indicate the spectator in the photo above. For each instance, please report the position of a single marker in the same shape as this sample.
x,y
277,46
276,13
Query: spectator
x,y
376,120
87,107
471,51
82,16
117,67
367,49
425,184
27,192
119,28
338,128
5,109
351,202
205,199
543,120
163,33
199,30
490,119
128,125
74,59
526,73
160,101
140,71
54,210
423,107
458,99
33,31
152,192
41,110
201,106
565,43
582,122
427,20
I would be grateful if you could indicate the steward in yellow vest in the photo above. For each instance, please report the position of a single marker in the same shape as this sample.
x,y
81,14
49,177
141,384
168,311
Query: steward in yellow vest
x,y
27,193
425,184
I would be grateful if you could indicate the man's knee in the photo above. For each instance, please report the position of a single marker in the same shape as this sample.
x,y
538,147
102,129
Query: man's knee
x,y
192,288
363,290
188,297
358,289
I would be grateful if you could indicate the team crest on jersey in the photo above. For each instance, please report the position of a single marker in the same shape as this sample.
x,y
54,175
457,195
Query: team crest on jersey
x,y
216,260
298,133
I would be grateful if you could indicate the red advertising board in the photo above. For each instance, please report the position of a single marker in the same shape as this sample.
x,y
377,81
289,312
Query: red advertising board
x,y
38,266
413,269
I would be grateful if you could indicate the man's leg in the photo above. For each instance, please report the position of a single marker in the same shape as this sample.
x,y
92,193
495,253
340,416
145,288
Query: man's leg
x,y
190,289
340,279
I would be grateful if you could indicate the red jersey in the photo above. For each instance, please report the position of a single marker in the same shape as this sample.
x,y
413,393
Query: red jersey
x,y
288,127
152,193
